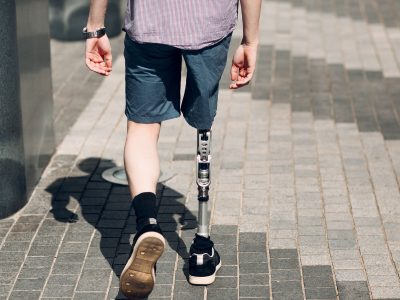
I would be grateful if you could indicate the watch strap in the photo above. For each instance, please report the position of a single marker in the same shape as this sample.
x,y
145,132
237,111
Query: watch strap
x,y
99,32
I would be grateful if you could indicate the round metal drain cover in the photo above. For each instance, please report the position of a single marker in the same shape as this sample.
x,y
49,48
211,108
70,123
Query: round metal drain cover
x,y
117,175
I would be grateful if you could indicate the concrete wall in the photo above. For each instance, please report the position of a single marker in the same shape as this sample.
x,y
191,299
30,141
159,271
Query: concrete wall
x,y
26,104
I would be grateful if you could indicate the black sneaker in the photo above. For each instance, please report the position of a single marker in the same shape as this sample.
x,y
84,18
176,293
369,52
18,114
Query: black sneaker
x,y
138,277
204,261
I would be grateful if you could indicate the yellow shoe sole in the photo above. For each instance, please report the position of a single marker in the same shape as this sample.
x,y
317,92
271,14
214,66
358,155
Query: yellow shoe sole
x,y
137,278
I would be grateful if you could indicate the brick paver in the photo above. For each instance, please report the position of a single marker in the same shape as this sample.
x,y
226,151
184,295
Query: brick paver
x,y
305,174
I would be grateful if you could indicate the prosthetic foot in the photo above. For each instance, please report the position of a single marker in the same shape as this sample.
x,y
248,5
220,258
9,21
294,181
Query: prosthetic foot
x,y
204,261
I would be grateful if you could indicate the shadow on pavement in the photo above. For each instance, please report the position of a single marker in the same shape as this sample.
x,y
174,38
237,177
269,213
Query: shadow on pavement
x,y
88,202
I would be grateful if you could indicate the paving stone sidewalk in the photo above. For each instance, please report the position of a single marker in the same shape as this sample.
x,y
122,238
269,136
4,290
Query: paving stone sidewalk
x,y
305,175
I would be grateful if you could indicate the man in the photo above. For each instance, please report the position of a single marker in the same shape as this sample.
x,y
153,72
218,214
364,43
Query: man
x,y
158,34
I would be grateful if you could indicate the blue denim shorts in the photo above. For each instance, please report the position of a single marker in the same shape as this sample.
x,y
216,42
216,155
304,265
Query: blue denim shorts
x,y
153,77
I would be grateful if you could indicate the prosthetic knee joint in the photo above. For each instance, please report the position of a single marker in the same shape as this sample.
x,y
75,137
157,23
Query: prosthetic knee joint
x,y
203,178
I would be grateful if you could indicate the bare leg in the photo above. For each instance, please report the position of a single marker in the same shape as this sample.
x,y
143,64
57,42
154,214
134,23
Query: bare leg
x,y
141,160
142,167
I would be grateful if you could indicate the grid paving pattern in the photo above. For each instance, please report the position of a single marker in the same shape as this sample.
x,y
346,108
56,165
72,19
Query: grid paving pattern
x,y
305,175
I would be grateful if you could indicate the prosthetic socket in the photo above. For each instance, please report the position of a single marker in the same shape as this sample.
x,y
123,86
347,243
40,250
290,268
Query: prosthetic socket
x,y
203,178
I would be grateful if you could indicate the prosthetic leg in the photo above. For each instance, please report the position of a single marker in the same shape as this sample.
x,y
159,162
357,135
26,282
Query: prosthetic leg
x,y
203,179
204,260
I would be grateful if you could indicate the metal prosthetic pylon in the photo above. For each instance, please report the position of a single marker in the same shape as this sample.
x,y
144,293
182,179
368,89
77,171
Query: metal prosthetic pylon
x,y
203,180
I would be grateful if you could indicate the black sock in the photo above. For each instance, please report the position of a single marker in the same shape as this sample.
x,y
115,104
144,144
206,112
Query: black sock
x,y
202,244
145,208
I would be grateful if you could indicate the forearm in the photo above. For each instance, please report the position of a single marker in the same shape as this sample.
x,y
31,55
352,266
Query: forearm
x,y
96,14
251,10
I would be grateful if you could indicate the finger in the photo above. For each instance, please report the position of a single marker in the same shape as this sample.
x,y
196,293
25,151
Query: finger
x,y
243,72
101,71
245,77
108,60
99,65
234,72
244,80
89,63
94,57
103,66
233,86
92,64
242,83
95,69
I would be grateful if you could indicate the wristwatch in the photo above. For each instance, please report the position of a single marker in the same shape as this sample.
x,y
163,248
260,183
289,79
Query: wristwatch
x,y
99,32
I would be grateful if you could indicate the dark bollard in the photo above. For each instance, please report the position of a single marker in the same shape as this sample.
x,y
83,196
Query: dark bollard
x,y
12,170
26,102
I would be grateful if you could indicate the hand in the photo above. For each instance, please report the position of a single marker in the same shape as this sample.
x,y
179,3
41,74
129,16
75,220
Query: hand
x,y
98,55
243,65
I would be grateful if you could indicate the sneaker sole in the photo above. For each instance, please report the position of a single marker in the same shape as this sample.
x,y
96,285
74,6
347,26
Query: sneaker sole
x,y
205,280
137,278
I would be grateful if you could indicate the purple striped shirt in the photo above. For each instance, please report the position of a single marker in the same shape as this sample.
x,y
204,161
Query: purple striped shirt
x,y
185,24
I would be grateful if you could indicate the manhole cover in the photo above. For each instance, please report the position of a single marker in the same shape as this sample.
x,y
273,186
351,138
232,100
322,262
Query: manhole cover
x,y
117,175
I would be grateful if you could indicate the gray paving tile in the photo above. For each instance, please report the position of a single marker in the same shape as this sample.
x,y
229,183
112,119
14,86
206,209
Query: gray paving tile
x,y
353,290
321,293
284,263
283,253
229,259
187,295
287,296
89,296
183,288
253,268
252,257
25,227
66,268
62,279
318,281
36,284
59,291
313,271
221,294
283,275
7,278
25,295
5,289
33,273
253,279
224,282
15,246
162,290
254,291
93,280
229,271
286,286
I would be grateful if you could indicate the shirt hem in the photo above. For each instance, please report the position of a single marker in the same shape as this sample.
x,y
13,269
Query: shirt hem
x,y
145,38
